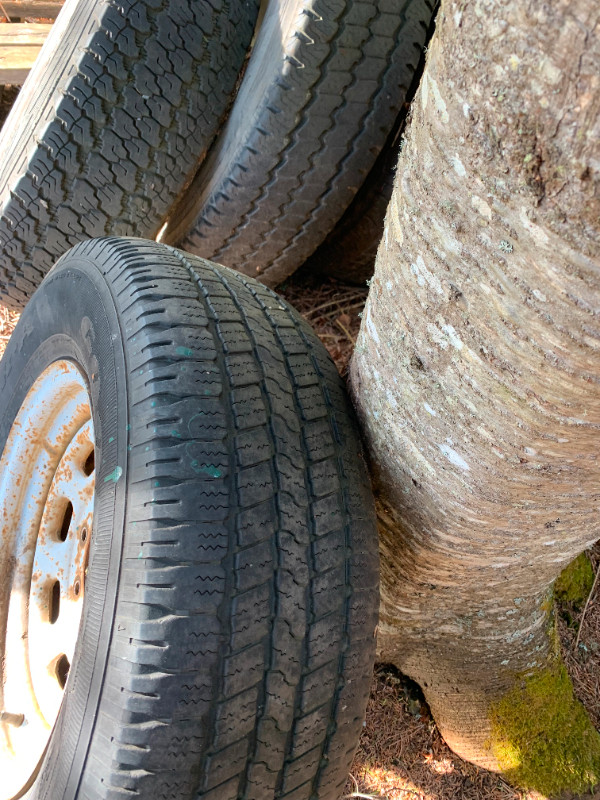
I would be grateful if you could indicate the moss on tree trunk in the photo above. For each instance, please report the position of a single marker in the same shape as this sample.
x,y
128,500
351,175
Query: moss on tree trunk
x,y
575,582
538,705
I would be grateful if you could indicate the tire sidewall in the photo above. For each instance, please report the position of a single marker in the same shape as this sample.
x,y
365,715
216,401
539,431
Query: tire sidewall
x,y
73,317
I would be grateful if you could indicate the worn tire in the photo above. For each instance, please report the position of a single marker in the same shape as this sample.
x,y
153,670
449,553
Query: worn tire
x,y
227,637
324,84
122,102
348,252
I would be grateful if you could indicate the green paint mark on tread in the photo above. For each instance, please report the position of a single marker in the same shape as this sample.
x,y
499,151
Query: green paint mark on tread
x,y
114,475
207,469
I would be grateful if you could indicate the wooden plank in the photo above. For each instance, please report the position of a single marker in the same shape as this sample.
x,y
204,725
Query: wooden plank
x,y
26,34
20,10
20,44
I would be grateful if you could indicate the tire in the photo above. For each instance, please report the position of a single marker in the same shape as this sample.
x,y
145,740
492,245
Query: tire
x,y
324,84
349,251
227,636
121,104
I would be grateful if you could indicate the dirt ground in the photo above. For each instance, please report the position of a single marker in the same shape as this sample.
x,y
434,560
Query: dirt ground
x,y
8,95
8,320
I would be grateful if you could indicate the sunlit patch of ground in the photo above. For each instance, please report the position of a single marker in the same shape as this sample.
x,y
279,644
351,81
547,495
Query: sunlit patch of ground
x,y
8,320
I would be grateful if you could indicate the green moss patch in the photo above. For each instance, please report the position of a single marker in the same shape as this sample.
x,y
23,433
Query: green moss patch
x,y
575,582
543,738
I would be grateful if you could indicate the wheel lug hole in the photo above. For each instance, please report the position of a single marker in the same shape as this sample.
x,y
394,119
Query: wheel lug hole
x,y
89,464
84,534
61,670
77,588
54,602
66,523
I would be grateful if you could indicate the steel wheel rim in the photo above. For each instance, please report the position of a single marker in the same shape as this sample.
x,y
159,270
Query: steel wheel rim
x,y
46,497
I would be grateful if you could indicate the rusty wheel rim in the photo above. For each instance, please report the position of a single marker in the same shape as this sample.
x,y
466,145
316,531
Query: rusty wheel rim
x,y
46,499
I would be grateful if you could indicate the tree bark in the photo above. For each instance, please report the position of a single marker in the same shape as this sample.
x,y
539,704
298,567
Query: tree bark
x,y
477,370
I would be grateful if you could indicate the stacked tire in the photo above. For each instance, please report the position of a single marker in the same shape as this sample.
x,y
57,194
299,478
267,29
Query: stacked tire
x,y
123,101
324,86
148,127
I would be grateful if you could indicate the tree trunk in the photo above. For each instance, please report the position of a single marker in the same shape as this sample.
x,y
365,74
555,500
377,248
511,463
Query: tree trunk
x,y
477,369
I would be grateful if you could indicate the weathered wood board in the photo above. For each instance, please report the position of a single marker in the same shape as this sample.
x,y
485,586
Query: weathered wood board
x,y
20,44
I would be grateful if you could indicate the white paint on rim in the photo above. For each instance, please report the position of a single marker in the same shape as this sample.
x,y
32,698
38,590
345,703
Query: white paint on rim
x,y
45,466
